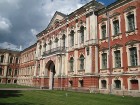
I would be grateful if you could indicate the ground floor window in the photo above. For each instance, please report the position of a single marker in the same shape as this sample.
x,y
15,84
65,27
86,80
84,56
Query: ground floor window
x,y
81,83
9,81
117,84
103,83
15,81
134,85
70,83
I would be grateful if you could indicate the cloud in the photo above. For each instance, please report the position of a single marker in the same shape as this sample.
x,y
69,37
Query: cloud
x,y
5,24
11,46
21,20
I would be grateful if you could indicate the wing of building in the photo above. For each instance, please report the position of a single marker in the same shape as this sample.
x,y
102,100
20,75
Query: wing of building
x,y
95,48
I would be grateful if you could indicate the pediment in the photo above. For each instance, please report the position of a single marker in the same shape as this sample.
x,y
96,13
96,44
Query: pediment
x,y
58,16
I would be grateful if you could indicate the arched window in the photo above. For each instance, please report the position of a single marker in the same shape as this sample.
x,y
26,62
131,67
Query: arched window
x,y
71,63
82,34
81,62
0,71
117,84
2,58
16,60
50,44
56,42
72,38
9,71
63,40
11,59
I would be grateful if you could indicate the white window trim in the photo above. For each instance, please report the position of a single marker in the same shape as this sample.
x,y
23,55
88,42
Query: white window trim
x,y
113,56
112,27
113,85
100,54
100,29
128,53
129,83
100,84
135,20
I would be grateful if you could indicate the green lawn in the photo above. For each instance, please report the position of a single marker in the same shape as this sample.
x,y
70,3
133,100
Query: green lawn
x,y
13,86
46,97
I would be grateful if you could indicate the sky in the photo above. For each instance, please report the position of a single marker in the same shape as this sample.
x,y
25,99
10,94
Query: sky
x,y
22,20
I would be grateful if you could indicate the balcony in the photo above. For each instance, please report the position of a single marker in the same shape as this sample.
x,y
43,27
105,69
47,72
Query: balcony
x,y
58,50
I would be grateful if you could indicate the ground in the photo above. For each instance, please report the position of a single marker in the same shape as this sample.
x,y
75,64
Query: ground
x,y
47,97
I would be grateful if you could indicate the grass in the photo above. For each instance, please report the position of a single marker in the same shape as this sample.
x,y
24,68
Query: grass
x,y
46,97
13,86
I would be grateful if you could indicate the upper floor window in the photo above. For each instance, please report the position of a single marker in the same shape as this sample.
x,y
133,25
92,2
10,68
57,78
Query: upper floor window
x,y
0,71
16,72
72,38
11,59
10,71
82,34
81,62
63,40
116,27
104,60
103,28
117,58
2,58
133,56
56,42
50,44
71,63
131,22
16,60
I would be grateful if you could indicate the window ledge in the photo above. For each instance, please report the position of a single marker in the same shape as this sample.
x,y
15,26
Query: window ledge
x,y
70,71
103,39
104,69
115,35
118,68
81,70
129,31
133,66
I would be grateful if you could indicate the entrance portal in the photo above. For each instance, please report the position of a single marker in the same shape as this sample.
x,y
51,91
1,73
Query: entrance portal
x,y
51,72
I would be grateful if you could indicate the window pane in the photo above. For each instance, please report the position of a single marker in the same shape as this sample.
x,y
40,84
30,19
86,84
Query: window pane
x,y
117,59
116,27
131,22
103,31
133,56
104,60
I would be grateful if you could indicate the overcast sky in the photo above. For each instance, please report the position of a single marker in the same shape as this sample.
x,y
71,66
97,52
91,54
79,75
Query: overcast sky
x,y
21,20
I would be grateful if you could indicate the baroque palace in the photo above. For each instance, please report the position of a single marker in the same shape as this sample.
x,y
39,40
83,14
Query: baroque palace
x,y
95,48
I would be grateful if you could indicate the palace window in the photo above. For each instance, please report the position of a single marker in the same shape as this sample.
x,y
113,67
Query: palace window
x,y
104,60
0,71
2,58
70,83
9,71
116,27
16,60
64,40
134,84
71,63
81,83
103,28
56,42
133,56
81,62
16,72
117,58
11,59
82,34
117,84
131,22
103,83
72,38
